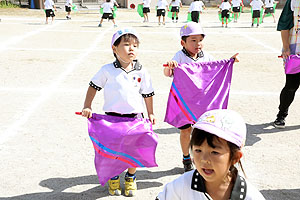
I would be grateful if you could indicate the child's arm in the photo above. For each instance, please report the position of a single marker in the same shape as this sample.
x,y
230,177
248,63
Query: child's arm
x,y
149,106
168,71
87,108
285,43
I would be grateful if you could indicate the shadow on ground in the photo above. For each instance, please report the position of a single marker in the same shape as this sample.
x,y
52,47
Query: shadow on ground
x,y
266,128
288,194
59,185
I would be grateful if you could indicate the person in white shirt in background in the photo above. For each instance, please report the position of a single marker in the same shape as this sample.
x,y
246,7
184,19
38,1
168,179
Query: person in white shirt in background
x,y
162,5
269,9
195,9
146,9
115,3
175,9
49,5
236,4
225,8
68,7
256,7
107,13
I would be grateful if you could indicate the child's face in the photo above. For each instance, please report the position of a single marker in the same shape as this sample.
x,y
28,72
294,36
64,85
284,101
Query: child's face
x,y
126,50
193,44
212,163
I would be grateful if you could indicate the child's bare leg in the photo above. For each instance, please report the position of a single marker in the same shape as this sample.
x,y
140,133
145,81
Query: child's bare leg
x,y
164,20
113,20
185,137
273,17
226,22
173,14
177,16
263,17
159,20
46,20
222,22
131,170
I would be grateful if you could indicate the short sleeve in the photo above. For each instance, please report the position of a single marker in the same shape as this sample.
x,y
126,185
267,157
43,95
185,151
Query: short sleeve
x,y
286,19
177,57
171,191
146,86
99,80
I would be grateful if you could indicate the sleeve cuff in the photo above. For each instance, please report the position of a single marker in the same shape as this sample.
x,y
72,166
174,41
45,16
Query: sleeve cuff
x,y
95,86
148,95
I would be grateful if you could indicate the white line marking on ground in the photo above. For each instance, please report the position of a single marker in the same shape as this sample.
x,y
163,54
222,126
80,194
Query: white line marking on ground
x,y
15,39
46,93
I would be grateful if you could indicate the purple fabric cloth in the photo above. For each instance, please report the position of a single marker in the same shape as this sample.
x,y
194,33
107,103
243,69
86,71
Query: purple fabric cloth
x,y
292,65
196,88
121,143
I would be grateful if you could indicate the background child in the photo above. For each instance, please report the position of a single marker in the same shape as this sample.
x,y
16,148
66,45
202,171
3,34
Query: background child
x,y
175,9
269,9
236,4
68,7
225,8
49,5
192,36
216,143
195,9
126,83
107,12
146,9
162,5
256,7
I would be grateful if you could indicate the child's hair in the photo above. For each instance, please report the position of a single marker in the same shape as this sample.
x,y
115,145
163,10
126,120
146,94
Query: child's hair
x,y
107,0
199,136
225,0
185,37
127,37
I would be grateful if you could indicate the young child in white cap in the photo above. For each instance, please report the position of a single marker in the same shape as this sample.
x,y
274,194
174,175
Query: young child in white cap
x,y
126,84
192,36
216,143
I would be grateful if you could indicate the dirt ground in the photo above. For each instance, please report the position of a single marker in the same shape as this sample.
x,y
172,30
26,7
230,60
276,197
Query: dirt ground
x,y
45,151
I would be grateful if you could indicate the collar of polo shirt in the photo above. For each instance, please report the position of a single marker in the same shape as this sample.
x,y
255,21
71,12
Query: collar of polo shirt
x,y
238,192
136,66
199,55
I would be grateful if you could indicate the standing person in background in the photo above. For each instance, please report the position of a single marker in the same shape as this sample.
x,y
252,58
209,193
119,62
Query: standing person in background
x,y
269,9
115,3
236,4
175,9
146,9
225,8
288,26
68,7
162,5
195,9
49,5
256,7
107,12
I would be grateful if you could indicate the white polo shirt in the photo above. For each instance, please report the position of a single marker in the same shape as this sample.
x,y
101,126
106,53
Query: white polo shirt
x,y
191,186
256,4
146,3
225,6
49,4
107,7
183,56
196,6
175,3
123,91
269,3
162,4
236,3
69,3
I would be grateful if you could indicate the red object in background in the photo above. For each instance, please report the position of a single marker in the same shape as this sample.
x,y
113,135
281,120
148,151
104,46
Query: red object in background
x,y
132,6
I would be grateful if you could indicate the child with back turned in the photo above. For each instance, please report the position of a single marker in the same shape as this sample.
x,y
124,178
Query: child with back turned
x,y
192,36
126,85
216,143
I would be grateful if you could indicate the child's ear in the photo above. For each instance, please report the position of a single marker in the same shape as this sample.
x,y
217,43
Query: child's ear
x,y
113,48
182,43
237,157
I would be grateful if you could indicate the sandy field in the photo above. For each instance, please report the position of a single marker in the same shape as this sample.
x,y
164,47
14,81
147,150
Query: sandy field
x,y
45,151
